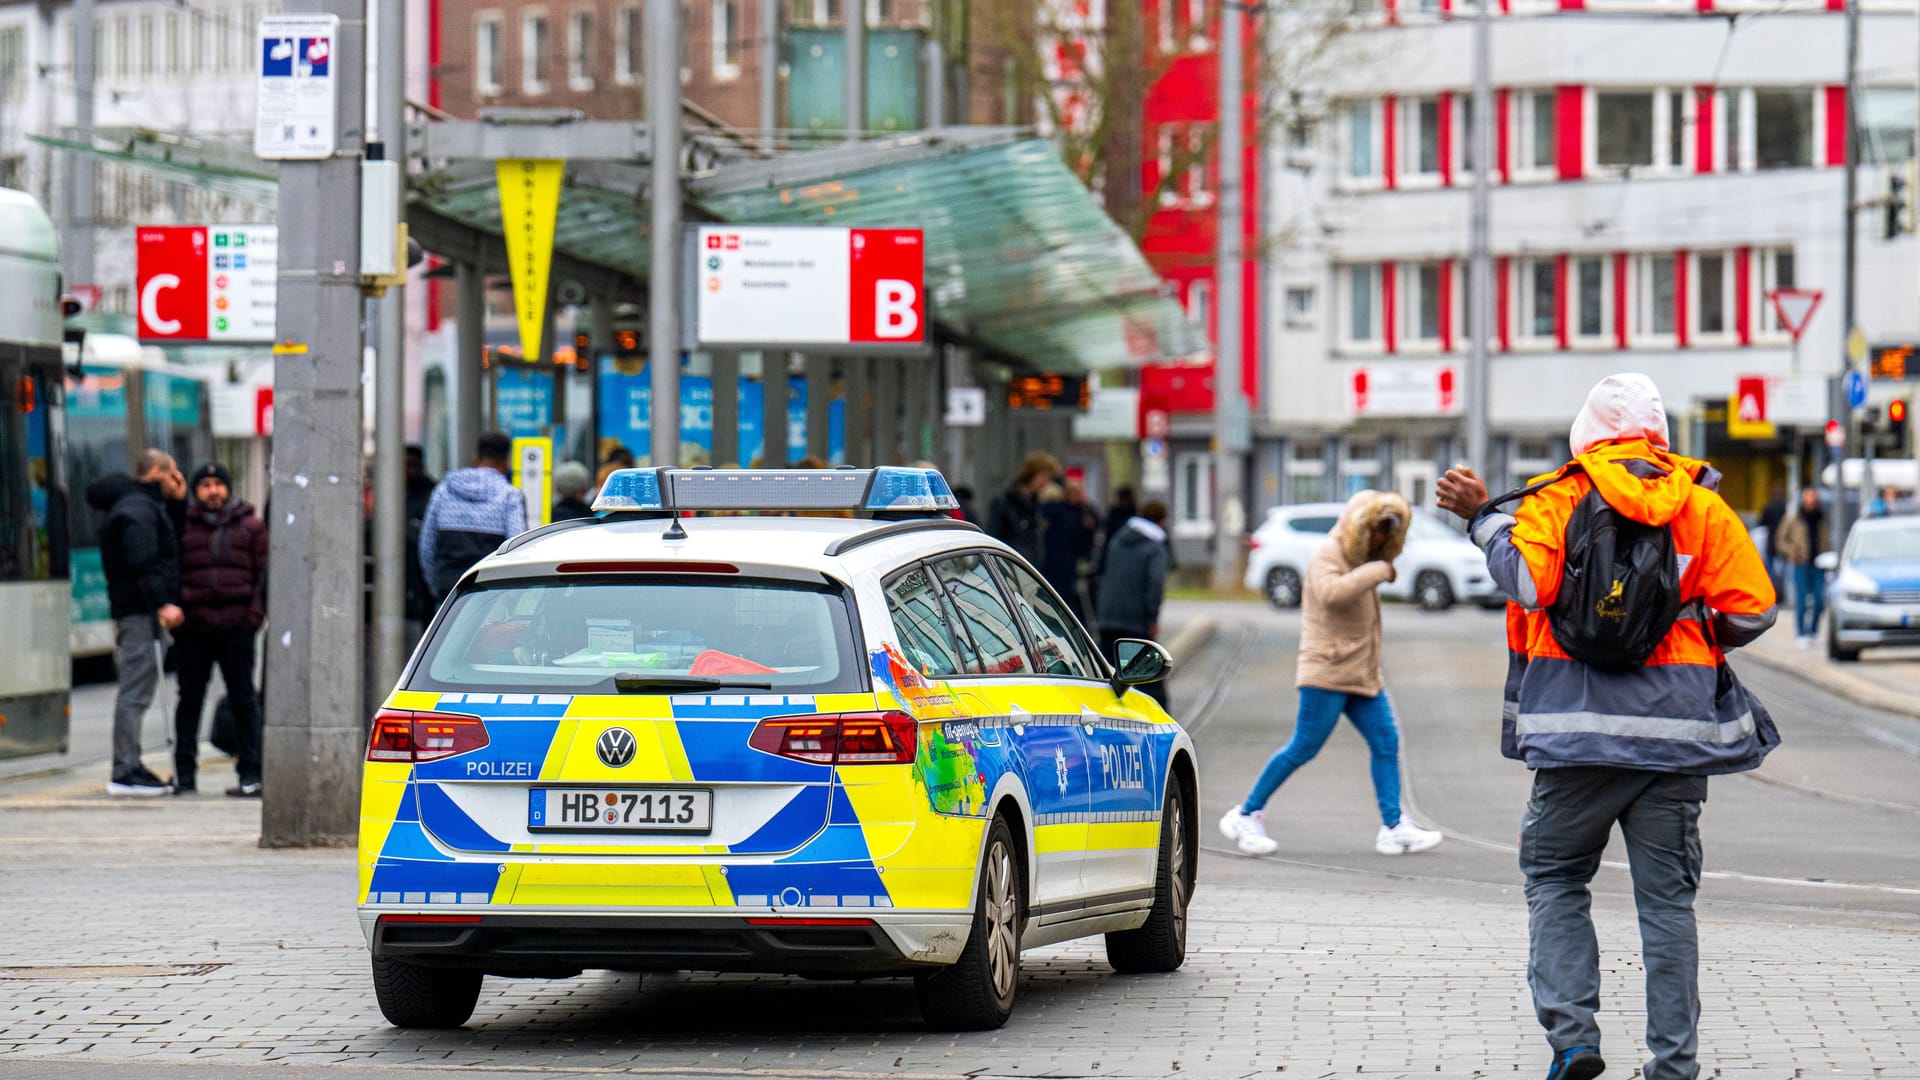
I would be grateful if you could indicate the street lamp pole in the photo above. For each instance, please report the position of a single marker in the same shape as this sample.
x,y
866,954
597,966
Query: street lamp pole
x,y
1228,405
1480,269
1850,244
390,373
663,276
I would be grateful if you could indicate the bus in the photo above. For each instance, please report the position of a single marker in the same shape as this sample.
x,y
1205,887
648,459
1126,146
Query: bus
x,y
34,679
121,399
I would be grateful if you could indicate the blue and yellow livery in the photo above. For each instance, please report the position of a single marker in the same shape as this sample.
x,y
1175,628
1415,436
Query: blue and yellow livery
x,y
803,744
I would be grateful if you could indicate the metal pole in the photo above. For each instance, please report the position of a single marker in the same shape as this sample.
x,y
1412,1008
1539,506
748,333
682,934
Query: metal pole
x,y
663,275
469,351
77,238
316,730
819,376
390,389
1850,243
1227,288
773,409
726,409
935,60
769,75
855,66
1480,267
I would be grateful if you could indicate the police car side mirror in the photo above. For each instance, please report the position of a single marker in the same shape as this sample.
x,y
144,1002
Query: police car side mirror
x,y
1139,662
1827,560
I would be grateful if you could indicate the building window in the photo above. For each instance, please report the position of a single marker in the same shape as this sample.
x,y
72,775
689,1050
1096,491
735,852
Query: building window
x,y
249,31
223,42
1200,305
197,42
726,39
1593,281
1783,129
1674,111
13,68
1653,296
1198,191
1197,39
1300,301
1886,126
1711,284
580,51
1363,304
147,48
1538,282
1534,120
122,48
1166,27
1419,133
171,41
1419,302
1734,118
1361,130
627,44
486,55
1776,271
533,53
1623,129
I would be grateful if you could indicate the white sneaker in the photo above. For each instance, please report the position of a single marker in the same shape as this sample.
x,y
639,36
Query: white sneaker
x,y
1249,831
1805,643
1405,839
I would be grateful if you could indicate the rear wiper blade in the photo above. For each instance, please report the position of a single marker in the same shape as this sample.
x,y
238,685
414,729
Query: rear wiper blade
x,y
630,683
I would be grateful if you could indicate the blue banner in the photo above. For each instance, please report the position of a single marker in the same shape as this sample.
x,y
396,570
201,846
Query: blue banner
x,y
626,416
523,402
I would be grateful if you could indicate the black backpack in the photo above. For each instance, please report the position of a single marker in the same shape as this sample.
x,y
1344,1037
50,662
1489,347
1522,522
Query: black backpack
x,y
1620,589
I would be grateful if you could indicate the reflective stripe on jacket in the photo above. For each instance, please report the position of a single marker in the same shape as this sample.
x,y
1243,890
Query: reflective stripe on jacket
x,y
1668,716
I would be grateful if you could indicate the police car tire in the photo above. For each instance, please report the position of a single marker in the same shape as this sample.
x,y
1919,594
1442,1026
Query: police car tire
x,y
1160,944
411,996
962,996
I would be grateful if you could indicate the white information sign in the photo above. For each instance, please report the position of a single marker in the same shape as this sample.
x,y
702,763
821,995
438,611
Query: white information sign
x,y
781,285
296,97
206,282
1404,388
966,406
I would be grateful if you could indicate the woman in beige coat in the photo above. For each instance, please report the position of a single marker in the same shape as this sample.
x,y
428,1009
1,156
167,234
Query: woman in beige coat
x,y
1339,672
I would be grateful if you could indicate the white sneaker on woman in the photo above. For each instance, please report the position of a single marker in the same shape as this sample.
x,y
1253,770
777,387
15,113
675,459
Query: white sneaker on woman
x,y
1248,831
1405,839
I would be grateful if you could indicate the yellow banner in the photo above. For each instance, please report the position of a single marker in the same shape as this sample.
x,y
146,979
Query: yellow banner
x,y
529,203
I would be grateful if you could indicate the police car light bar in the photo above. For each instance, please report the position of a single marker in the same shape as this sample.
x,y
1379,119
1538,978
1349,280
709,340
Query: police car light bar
x,y
884,488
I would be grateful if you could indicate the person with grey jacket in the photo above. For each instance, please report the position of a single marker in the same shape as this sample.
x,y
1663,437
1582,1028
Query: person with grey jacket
x,y
1133,584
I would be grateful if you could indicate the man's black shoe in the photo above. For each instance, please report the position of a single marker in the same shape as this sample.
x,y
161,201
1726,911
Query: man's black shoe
x,y
184,789
1577,1063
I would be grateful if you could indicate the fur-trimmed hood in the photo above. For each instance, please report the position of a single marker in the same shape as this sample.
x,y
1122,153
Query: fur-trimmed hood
x,y
1363,509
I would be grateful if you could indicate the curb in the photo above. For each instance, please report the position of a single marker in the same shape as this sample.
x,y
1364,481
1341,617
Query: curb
x,y
1846,689
1192,638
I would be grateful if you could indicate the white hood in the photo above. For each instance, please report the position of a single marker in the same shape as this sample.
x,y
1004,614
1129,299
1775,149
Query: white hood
x,y
1625,406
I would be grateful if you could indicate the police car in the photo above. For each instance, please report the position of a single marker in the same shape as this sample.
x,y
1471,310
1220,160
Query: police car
x,y
658,740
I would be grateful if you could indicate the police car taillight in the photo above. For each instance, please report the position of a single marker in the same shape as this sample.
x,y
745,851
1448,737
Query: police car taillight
x,y
402,735
865,738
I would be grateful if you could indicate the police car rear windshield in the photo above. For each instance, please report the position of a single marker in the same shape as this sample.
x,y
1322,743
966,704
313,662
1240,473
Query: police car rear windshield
x,y
610,635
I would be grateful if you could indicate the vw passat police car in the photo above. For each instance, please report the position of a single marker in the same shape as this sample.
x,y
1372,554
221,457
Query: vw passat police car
x,y
648,741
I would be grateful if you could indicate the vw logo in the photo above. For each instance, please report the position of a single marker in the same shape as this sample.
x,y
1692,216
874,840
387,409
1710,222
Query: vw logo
x,y
615,747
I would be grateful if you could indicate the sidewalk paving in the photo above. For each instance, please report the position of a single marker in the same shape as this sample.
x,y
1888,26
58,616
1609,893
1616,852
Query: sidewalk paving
x,y
1885,679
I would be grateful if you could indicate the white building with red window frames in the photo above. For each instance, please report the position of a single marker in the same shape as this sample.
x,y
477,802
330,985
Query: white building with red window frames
x,y
1660,166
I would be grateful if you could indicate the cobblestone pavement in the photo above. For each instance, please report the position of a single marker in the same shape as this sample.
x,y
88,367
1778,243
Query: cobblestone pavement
x,y
161,933
154,939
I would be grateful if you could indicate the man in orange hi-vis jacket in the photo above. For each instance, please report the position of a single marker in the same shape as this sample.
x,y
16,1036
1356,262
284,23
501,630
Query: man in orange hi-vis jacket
x,y
1631,746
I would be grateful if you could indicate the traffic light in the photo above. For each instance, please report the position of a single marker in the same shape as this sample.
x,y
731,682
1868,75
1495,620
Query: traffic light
x,y
1896,206
1896,427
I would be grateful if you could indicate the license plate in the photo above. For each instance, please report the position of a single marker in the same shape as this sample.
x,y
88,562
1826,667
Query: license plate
x,y
647,810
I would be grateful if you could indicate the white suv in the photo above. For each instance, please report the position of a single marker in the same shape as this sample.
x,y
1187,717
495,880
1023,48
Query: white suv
x,y
1438,568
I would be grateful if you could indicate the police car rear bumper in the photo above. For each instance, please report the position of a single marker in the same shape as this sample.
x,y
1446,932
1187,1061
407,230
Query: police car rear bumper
x,y
554,944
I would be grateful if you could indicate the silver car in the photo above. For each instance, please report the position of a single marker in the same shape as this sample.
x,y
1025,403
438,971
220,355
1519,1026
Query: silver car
x,y
1874,598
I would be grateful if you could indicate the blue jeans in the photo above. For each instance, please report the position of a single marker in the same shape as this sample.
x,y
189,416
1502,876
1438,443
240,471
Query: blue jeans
x,y
1809,598
1319,711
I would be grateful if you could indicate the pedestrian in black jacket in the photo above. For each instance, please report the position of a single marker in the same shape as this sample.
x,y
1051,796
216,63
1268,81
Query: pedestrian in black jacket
x,y
1014,515
1134,585
140,558
223,590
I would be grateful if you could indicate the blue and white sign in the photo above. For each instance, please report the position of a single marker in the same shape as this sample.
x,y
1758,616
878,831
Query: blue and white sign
x,y
626,416
1856,388
297,95
523,402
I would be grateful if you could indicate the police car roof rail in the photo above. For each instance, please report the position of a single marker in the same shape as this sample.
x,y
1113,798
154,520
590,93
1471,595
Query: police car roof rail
x,y
545,530
892,529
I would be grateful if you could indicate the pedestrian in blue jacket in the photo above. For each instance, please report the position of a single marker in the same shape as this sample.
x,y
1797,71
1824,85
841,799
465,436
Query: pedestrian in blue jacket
x,y
472,512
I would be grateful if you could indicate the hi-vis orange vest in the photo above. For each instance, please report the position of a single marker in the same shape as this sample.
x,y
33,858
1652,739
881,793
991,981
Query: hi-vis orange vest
x,y
1673,714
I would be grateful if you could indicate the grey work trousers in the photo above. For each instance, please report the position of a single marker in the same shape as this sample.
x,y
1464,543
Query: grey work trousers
x,y
1568,819
136,642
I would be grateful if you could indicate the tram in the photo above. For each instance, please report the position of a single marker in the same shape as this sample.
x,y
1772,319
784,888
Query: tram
x,y
34,554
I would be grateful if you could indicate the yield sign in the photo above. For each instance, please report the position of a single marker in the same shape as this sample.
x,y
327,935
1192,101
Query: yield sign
x,y
1794,308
